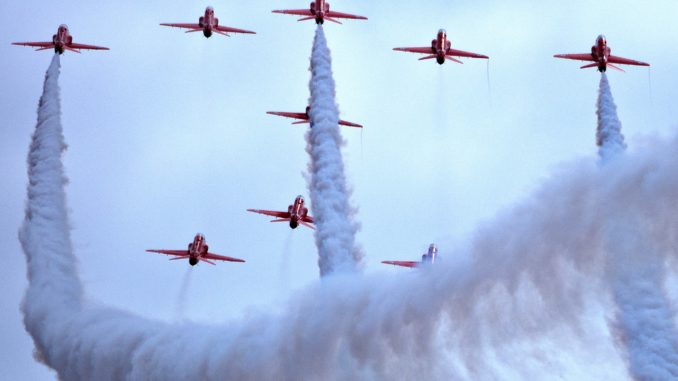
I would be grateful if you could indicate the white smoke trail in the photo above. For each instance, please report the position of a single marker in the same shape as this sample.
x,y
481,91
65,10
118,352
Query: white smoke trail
x,y
534,268
608,135
636,271
45,235
335,234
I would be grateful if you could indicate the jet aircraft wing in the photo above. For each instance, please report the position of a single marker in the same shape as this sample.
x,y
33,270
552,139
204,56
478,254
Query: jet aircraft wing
x,y
350,124
270,213
298,12
89,47
402,263
183,25
42,45
461,53
625,61
579,57
340,15
424,50
218,257
293,115
170,252
228,29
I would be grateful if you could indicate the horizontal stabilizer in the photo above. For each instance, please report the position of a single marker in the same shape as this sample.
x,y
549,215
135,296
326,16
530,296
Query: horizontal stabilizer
x,y
205,260
177,258
282,220
595,64
307,224
331,19
615,67
454,59
432,56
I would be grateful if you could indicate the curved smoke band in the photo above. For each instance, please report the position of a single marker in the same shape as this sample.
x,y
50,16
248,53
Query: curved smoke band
x,y
635,267
533,268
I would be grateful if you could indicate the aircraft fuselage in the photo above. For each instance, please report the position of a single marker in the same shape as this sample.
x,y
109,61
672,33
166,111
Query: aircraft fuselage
x,y
208,22
440,46
601,52
297,212
318,9
61,39
196,249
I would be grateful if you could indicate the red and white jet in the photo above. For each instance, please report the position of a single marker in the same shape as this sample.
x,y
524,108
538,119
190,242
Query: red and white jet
x,y
61,41
296,214
601,57
208,24
197,251
320,11
428,258
441,49
305,117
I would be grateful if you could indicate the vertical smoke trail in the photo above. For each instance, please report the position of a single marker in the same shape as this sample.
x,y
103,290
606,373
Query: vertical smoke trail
x,y
608,135
335,234
45,234
635,270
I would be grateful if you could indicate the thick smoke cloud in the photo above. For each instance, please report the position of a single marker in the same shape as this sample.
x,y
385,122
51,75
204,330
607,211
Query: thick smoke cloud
x,y
635,268
531,269
335,234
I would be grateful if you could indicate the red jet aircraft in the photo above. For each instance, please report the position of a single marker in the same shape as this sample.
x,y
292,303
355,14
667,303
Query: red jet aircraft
x,y
208,24
429,257
320,11
61,41
601,57
197,251
305,118
296,214
441,48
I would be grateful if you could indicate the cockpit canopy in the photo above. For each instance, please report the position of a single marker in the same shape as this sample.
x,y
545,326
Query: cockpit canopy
x,y
443,31
601,38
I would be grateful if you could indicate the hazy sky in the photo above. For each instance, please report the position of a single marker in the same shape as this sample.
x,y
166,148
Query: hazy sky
x,y
168,135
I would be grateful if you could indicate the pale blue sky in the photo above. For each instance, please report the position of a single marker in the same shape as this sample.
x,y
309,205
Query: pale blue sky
x,y
168,134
